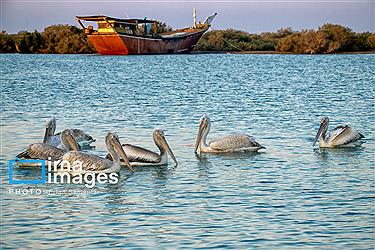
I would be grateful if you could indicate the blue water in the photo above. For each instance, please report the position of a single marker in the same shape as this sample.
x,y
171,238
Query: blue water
x,y
288,196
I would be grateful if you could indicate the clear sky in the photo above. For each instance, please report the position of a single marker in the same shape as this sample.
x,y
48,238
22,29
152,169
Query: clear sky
x,y
252,16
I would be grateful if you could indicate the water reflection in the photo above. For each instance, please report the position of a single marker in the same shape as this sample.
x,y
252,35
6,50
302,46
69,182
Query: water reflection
x,y
204,165
325,153
161,173
228,155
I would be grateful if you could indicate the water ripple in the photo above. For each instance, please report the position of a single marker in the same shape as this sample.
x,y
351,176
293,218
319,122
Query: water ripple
x,y
289,196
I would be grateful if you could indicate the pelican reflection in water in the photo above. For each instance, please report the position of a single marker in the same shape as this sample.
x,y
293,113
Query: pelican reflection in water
x,y
95,164
143,157
84,140
341,136
230,143
43,151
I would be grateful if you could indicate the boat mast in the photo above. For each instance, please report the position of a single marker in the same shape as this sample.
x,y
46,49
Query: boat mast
x,y
195,17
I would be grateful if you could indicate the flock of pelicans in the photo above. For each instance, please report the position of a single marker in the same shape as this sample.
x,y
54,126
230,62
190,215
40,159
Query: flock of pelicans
x,y
68,145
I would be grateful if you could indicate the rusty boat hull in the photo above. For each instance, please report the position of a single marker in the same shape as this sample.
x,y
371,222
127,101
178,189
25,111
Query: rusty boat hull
x,y
122,44
115,36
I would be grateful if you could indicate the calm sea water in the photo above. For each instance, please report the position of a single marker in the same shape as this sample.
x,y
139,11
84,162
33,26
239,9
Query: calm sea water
x,y
288,196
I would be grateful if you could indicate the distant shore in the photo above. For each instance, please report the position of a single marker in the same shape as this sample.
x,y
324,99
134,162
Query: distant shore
x,y
328,39
214,52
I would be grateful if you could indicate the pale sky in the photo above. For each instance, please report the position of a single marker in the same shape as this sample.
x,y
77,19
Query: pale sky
x,y
251,16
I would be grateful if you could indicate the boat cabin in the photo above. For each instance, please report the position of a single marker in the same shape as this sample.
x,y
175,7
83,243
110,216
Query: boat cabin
x,y
110,25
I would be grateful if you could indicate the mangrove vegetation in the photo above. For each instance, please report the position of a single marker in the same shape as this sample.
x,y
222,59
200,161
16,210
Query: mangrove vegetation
x,y
329,38
55,39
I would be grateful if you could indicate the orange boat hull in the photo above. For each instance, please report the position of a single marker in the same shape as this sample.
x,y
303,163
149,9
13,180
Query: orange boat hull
x,y
119,44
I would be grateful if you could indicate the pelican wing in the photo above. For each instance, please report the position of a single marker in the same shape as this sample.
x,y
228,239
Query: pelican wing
x,y
343,135
138,154
54,140
42,151
89,162
234,142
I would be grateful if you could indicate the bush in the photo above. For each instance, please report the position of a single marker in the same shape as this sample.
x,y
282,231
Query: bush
x,y
7,43
65,39
62,39
330,38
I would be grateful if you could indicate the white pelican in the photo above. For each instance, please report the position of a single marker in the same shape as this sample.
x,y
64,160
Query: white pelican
x,y
341,136
230,143
143,157
43,151
96,164
84,140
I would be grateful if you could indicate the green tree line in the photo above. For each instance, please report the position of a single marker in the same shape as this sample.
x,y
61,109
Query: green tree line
x,y
330,38
55,39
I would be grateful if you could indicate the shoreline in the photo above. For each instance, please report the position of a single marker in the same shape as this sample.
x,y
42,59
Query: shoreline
x,y
277,52
215,52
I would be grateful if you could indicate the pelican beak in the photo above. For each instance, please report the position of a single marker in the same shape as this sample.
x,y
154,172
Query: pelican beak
x,y
73,143
122,154
169,150
318,134
47,134
199,137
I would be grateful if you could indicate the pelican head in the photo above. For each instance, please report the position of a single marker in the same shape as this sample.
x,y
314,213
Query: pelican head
x,y
82,135
50,128
322,129
113,142
204,128
162,143
67,139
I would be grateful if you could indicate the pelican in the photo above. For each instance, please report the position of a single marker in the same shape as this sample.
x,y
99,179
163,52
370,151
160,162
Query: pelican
x,y
43,151
229,143
143,157
341,136
96,164
84,140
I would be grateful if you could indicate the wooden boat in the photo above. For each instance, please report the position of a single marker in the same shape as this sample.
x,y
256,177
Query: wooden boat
x,y
115,36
